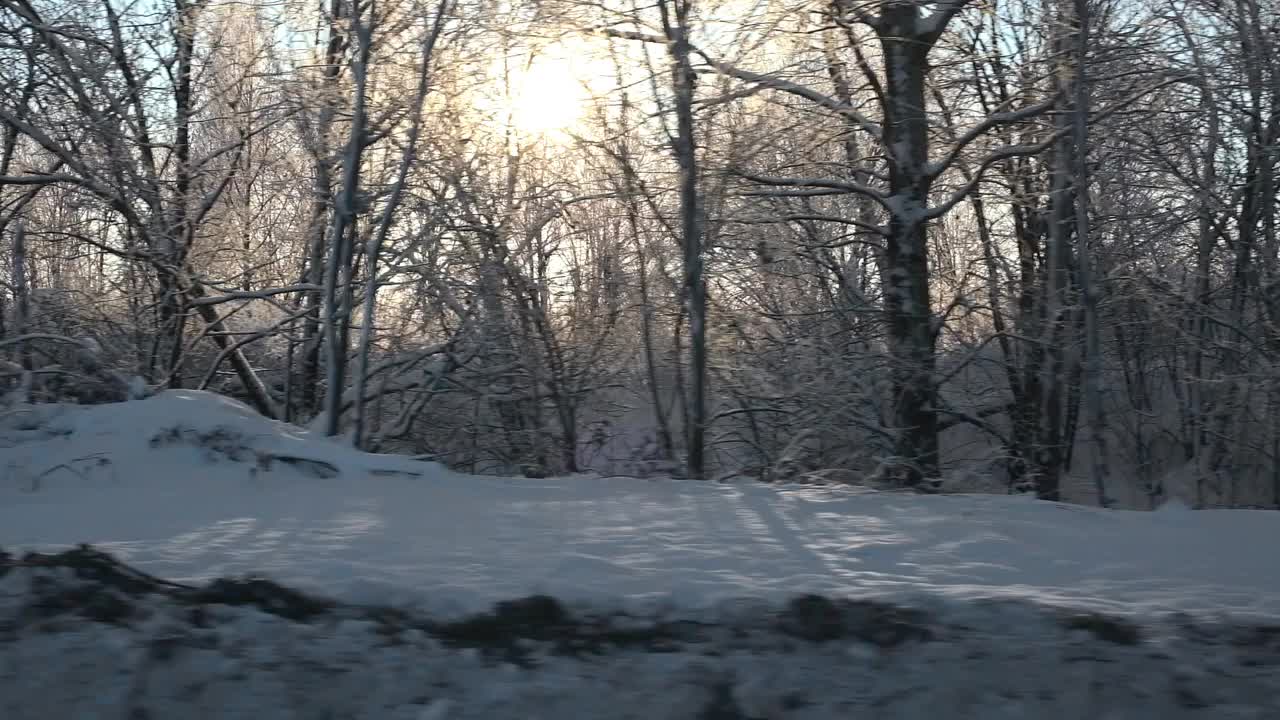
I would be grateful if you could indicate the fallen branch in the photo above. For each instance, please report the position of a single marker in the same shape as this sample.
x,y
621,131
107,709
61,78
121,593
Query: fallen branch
x,y
99,461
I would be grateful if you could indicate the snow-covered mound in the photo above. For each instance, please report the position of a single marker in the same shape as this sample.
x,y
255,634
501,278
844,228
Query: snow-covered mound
x,y
58,444
189,486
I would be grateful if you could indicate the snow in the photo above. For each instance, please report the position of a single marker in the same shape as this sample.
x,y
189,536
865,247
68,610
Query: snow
x,y
387,526
244,663
190,486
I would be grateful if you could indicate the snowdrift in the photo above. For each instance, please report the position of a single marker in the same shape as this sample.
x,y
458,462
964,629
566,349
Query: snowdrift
x,y
190,486
392,588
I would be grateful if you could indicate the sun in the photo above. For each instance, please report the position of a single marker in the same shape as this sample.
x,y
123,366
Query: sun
x,y
550,91
548,97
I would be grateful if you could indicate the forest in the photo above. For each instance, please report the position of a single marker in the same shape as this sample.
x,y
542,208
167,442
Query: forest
x,y
997,245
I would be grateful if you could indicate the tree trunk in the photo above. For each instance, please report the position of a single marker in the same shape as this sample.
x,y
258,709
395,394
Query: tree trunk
x,y
695,285
21,295
179,235
338,272
1050,451
1092,371
378,238
321,207
908,305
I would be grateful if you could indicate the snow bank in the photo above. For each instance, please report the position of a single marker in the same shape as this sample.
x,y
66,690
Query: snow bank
x,y
189,486
104,646
677,599
41,444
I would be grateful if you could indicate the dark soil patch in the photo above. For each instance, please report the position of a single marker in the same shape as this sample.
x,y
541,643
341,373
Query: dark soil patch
x,y
1107,629
109,586
722,706
263,594
819,619
514,628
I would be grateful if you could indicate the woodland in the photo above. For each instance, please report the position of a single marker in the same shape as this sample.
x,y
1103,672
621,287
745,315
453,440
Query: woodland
x,y
998,245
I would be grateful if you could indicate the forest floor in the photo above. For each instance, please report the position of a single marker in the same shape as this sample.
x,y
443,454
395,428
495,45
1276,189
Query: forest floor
x,y
408,591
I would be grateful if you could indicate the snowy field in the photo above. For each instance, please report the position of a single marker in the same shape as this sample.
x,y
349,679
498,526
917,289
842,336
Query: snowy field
x,y
189,487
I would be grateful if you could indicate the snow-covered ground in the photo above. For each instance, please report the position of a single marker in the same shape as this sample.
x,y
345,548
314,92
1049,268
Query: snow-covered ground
x,y
190,486
179,485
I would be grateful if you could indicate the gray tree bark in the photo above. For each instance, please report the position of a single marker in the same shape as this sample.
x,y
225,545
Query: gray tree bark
x,y
675,21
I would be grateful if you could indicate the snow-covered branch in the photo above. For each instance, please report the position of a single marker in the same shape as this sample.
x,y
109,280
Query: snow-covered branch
x,y
843,186
809,217
982,128
40,179
78,342
1004,153
233,295
772,82
1011,151
792,88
